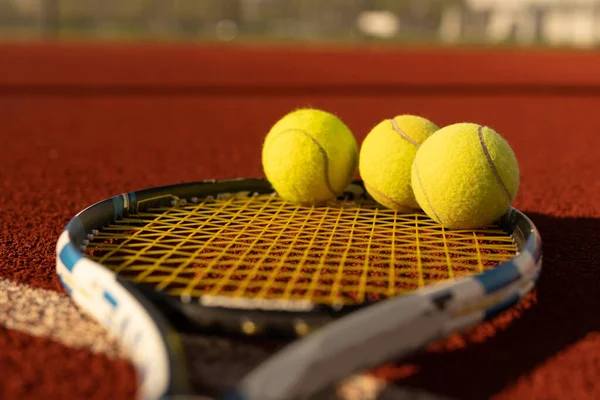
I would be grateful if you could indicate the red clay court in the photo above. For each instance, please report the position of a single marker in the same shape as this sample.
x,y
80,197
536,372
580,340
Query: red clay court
x,y
81,123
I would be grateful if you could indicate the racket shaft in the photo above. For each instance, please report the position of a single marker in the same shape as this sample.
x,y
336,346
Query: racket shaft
x,y
367,338
363,339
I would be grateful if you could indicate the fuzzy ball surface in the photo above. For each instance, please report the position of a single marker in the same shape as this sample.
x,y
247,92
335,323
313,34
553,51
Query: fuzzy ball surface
x,y
465,176
310,156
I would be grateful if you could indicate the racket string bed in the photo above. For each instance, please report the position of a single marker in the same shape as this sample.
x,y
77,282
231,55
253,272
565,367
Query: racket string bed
x,y
264,248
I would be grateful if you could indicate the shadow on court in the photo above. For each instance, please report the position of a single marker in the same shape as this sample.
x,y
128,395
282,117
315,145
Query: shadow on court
x,y
562,311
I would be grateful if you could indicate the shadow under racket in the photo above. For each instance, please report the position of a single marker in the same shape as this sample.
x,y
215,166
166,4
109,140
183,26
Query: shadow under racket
x,y
218,363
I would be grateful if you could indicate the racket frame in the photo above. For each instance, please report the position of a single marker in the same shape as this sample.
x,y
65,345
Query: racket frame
x,y
131,313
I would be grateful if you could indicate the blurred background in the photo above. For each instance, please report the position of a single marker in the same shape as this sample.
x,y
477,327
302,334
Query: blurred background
x,y
531,23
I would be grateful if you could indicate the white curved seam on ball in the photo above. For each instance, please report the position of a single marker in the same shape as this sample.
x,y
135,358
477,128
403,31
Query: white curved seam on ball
x,y
323,153
371,188
403,134
425,194
491,163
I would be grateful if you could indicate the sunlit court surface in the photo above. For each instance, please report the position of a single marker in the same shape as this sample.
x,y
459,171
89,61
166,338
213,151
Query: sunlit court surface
x,y
144,254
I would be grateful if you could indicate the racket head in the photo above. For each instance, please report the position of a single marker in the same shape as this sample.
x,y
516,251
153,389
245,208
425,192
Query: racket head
x,y
137,313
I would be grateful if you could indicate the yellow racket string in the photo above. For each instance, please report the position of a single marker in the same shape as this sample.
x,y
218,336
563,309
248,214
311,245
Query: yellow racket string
x,y
263,247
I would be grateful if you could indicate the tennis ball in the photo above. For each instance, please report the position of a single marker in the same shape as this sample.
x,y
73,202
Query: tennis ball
x,y
465,176
386,157
309,156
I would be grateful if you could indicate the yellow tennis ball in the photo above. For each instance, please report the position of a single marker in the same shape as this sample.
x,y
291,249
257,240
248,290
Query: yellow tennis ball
x,y
465,176
386,157
309,156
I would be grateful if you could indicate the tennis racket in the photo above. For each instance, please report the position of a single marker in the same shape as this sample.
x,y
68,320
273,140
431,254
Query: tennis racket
x,y
350,283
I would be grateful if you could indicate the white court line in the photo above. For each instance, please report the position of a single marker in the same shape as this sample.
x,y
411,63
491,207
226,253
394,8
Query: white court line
x,y
52,315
